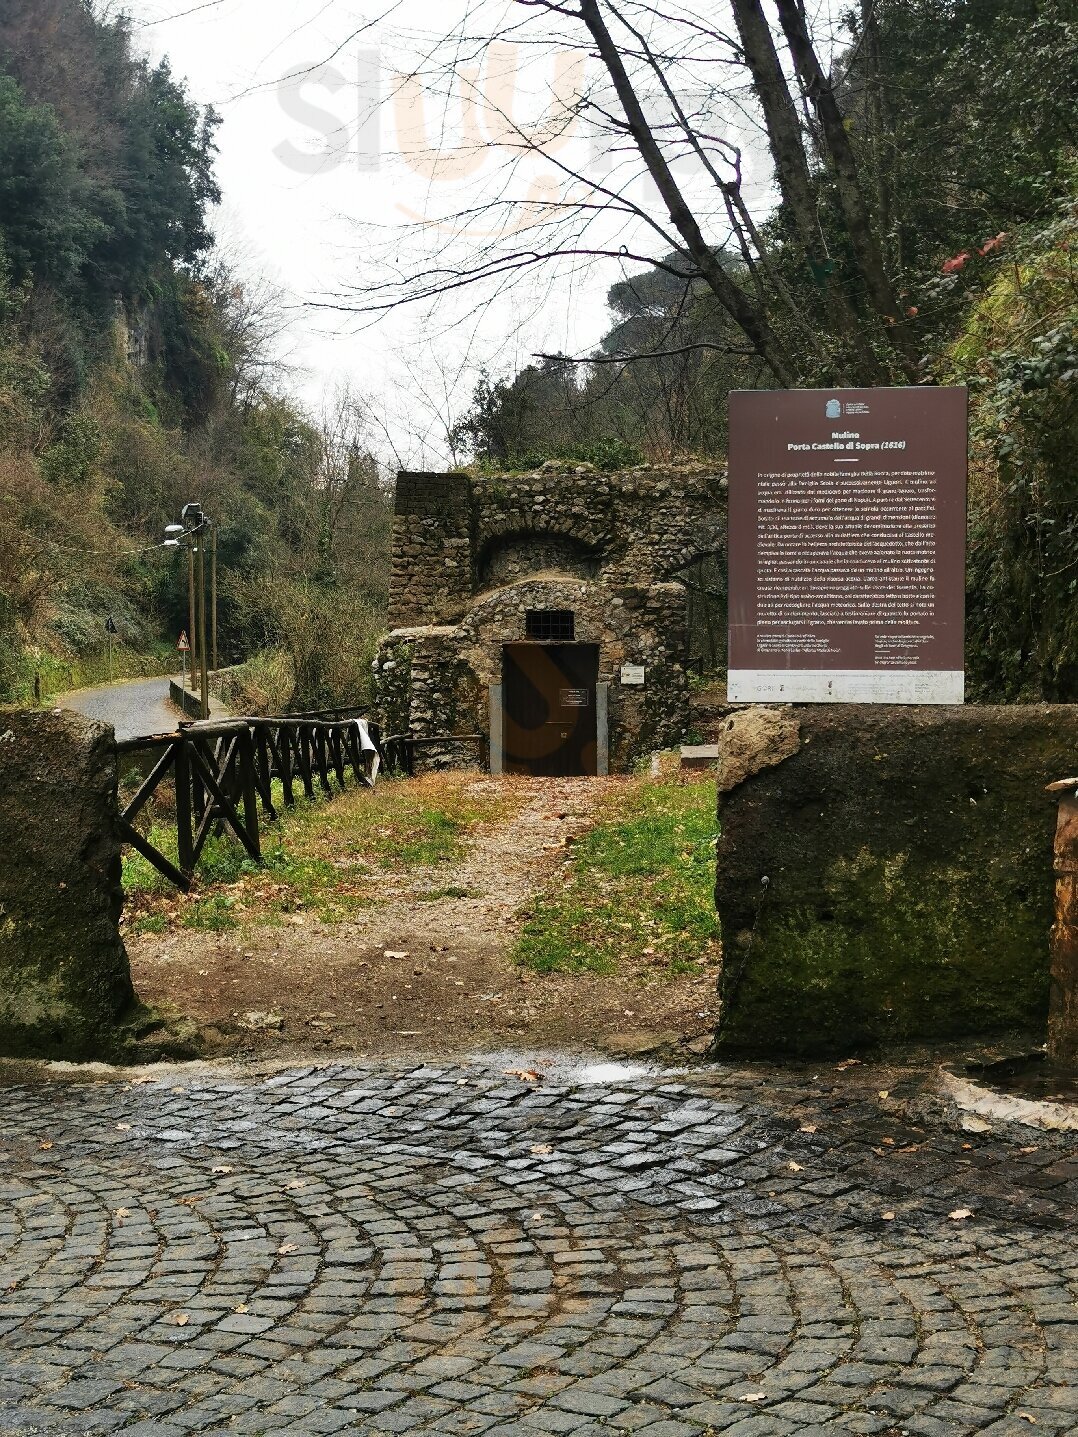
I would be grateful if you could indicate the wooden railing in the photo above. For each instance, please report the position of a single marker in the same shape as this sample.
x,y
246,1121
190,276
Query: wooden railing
x,y
222,772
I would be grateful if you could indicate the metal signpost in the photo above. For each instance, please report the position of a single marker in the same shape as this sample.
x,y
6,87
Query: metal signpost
x,y
847,528
184,646
111,630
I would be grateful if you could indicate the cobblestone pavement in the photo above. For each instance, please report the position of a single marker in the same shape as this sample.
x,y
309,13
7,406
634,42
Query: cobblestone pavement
x,y
453,1250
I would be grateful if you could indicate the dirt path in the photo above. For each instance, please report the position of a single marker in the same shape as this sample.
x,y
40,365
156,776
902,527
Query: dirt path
x,y
426,969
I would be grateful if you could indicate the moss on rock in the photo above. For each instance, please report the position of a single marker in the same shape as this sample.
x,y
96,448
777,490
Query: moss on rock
x,y
908,858
65,982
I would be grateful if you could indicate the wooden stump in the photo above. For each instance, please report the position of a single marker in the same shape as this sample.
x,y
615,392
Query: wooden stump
x,y
1063,1009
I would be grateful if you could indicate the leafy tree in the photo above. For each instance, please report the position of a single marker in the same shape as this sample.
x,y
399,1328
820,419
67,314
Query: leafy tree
x,y
47,226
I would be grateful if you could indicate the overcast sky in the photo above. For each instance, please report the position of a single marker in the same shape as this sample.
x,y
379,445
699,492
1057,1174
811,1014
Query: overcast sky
x,y
300,164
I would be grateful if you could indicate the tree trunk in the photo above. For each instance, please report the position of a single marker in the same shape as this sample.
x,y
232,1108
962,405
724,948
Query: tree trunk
x,y
749,317
795,182
843,163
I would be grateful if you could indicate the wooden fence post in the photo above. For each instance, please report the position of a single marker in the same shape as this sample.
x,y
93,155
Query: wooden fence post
x,y
185,837
249,788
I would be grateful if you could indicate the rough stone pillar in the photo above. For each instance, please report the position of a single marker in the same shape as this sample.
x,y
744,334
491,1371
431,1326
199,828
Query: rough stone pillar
x,y
65,981
1063,1002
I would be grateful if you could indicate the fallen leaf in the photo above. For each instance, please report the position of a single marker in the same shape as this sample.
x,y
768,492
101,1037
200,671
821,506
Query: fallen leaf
x,y
146,1078
967,1147
526,1075
1029,1150
887,1216
888,1142
542,1148
123,1127
45,1144
1028,1417
179,1319
960,1213
884,1093
389,953
807,1128
121,1213
753,1397
795,1167
221,1168
295,1183
847,1063
287,1247
241,1308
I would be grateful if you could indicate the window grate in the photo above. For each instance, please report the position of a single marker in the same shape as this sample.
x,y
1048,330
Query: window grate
x,y
550,625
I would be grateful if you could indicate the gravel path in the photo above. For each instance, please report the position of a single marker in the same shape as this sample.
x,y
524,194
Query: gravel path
x,y
427,969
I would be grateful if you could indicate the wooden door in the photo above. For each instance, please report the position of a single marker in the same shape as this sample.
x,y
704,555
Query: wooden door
x,y
548,695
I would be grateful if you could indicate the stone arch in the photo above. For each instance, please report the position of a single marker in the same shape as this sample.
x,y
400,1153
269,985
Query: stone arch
x,y
516,554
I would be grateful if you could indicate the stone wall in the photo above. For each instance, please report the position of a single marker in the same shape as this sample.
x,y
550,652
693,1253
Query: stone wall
x,y
473,553
431,578
907,854
65,983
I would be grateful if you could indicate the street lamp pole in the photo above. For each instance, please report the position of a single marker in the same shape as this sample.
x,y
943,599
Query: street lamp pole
x,y
192,631
213,592
202,650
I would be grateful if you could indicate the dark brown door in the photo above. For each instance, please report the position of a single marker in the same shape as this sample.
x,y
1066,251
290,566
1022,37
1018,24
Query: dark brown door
x,y
548,696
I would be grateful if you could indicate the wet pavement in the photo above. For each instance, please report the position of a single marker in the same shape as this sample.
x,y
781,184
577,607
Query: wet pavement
x,y
135,709
463,1249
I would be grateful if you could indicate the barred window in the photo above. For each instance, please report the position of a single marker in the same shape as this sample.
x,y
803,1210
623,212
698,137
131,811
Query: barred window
x,y
550,625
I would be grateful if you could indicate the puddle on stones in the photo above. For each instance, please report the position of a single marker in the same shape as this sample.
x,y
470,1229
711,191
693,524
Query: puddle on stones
x,y
1031,1076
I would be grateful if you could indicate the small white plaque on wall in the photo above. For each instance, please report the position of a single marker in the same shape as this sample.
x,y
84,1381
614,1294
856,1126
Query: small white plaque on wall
x,y
632,673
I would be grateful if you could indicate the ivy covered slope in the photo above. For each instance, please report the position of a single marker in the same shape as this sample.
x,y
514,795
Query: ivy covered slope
x,y
136,373
1018,352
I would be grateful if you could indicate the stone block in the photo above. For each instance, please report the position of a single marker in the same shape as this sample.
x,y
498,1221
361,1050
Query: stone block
x,y
64,975
909,892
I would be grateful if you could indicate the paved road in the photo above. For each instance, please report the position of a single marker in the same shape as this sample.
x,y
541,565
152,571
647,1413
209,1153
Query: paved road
x,y
135,709
452,1250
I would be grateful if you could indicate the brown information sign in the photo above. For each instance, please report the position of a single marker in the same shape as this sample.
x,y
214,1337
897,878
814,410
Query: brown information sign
x,y
847,536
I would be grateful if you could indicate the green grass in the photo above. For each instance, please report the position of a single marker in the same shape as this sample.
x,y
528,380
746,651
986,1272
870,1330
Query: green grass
x,y
325,857
639,889
60,675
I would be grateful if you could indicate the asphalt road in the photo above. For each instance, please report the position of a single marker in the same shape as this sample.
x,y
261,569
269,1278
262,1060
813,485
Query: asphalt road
x,y
134,709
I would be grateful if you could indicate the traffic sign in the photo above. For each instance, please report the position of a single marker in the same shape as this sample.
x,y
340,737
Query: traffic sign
x,y
110,625
183,646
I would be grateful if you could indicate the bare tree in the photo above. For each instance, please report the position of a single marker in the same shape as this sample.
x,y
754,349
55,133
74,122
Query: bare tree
x,y
664,74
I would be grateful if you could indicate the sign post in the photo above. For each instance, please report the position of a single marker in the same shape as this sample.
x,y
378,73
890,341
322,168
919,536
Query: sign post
x,y
184,646
111,630
847,526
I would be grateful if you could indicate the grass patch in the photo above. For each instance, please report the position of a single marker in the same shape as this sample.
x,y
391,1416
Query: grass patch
x,y
638,890
323,857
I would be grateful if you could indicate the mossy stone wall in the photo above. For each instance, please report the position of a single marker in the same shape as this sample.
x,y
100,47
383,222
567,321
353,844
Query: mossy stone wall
x,y
909,893
65,983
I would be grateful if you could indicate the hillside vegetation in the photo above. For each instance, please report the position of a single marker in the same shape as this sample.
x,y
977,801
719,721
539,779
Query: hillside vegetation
x,y
962,124
136,374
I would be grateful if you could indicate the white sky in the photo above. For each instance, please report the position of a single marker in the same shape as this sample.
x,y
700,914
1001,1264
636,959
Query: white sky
x,y
318,198
300,228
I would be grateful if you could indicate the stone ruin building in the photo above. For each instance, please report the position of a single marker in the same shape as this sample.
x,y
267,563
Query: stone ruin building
x,y
538,625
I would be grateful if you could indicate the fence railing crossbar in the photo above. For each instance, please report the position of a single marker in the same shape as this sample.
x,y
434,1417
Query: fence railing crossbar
x,y
223,771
